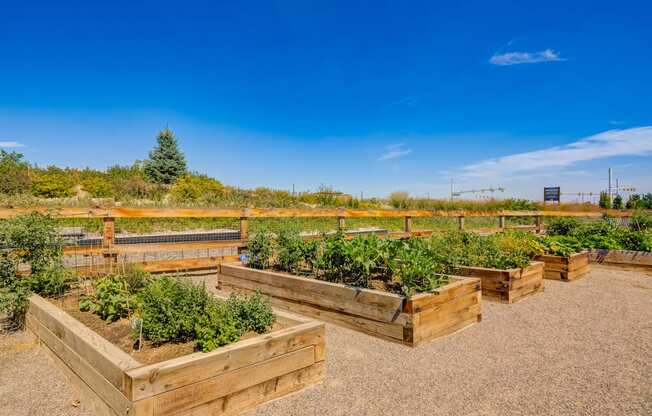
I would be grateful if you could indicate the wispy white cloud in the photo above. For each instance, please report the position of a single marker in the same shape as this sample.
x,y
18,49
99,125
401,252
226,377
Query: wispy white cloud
x,y
394,151
627,142
11,144
515,58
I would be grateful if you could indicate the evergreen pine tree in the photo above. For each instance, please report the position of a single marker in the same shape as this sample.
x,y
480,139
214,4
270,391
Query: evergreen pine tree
x,y
166,162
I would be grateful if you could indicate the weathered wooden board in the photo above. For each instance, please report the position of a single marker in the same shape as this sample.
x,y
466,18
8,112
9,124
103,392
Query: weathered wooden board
x,y
227,380
156,266
389,316
119,212
507,285
623,257
565,268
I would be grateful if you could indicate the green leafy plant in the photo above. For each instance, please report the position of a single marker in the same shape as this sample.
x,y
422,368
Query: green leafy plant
x,y
289,250
563,226
176,310
170,308
112,299
51,281
216,326
254,313
29,239
260,250
640,221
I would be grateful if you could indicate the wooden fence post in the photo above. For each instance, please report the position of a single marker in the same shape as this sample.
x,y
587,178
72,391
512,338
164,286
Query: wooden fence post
x,y
341,225
538,223
244,225
501,222
108,240
408,224
460,221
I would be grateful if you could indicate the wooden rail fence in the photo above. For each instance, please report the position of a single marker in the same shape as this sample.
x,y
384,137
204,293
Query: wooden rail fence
x,y
110,250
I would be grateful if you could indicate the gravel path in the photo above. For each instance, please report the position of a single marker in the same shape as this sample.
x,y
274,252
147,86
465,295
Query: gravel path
x,y
581,348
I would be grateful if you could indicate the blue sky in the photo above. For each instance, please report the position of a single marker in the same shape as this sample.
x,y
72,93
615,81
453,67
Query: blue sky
x,y
364,96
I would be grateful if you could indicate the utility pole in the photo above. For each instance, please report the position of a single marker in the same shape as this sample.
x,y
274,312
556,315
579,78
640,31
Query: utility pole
x,y
452,190
609,189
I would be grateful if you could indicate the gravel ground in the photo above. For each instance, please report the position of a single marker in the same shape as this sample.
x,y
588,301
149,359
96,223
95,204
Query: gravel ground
x,y
580,348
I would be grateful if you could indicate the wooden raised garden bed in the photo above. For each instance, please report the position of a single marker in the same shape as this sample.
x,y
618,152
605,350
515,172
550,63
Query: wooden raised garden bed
x,y
509,285
567,268
410,321
228,380
621,257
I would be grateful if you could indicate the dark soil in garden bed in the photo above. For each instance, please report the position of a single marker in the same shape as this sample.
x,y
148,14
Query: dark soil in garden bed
x,y
119,333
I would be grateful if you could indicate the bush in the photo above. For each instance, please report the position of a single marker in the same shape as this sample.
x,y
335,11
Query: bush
x,y
135,278
170,308
176,310
52,280
13,303
563,226
14,173
96,183
216,327
52,182
253,312
32,239
289,250
193,187
260,250
618,202
605,201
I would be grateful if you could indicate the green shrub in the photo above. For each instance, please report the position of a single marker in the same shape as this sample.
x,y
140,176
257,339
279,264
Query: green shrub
x,y
563,226
289,250
194,187
52,280
112,299
253,313
216,326
170,309
14,173
13,303
32,239
96,183
175,310
260,250
135,277
52,182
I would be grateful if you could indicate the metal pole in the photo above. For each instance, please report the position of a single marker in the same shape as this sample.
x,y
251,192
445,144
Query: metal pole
x,y
609,190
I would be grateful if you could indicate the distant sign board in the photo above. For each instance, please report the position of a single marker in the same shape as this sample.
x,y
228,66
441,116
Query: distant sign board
x,y
552,194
